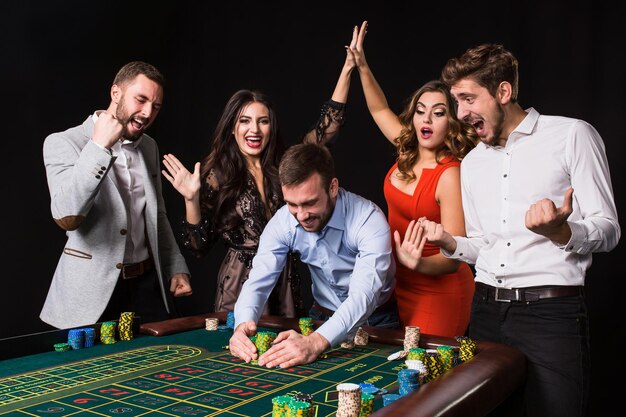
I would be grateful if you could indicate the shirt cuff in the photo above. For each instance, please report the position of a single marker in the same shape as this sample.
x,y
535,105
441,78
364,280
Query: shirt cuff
x,y
577,241
331,333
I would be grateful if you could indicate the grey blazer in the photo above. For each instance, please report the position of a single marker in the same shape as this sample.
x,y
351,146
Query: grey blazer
x,y
86,203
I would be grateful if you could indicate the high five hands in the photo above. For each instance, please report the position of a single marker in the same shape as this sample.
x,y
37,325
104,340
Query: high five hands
x,y
355,49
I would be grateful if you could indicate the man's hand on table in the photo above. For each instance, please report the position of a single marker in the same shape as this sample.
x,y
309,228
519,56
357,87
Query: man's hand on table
x,y
291,348
240,344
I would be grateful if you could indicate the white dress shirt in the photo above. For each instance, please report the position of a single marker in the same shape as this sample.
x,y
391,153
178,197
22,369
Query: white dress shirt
x,y
542,158
130,183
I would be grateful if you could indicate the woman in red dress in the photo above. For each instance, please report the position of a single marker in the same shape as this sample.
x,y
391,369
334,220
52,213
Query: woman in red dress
x,y
433,292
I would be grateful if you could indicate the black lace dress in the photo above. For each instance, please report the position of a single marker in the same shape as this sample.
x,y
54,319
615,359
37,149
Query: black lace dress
x,y
242,242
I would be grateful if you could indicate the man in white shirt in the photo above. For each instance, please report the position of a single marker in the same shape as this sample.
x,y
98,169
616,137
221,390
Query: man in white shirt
x,y
538,201
104,178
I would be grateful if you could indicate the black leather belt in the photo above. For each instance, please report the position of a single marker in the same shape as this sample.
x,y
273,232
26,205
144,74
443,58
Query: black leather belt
x,y
527,294
130,271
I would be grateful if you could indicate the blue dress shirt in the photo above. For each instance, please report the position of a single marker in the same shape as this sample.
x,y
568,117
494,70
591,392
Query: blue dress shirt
x,y
352,269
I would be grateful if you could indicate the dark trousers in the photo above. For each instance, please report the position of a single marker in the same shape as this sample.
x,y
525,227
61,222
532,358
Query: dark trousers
x,y
141,295
553,334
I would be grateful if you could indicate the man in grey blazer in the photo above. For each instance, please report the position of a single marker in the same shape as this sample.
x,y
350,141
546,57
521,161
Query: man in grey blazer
x,y
105,190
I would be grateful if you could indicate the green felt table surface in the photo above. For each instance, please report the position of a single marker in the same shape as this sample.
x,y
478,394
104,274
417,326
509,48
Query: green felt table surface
x,y
177,368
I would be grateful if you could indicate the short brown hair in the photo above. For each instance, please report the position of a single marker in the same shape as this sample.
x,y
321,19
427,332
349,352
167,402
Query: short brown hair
x,y
303,160
131,70
487,64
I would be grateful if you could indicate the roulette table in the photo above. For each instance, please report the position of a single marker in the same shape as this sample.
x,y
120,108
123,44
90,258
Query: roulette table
x,y
178,368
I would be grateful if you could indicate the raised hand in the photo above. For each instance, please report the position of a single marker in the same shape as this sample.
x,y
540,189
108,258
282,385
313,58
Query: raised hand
x,y
350,60
356,46
186,183
409,250
107,130
544,218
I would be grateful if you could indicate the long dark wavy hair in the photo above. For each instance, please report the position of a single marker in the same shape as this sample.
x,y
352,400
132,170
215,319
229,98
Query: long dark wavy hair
x,y
229,166
461,137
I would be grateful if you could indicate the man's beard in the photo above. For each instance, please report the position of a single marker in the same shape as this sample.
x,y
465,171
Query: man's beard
x,y
323,218
498,125
124,118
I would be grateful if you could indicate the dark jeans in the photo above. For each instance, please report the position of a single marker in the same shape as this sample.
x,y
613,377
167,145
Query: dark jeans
x,y
385,316
553,334
141,295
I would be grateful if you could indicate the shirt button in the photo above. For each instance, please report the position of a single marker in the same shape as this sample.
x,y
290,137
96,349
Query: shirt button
x,y
461,254
123,232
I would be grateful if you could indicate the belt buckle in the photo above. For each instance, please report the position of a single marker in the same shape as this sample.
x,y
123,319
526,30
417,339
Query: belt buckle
x,y
127,276
497,296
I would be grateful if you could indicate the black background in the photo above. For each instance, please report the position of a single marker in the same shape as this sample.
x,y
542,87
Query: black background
x,y
59,59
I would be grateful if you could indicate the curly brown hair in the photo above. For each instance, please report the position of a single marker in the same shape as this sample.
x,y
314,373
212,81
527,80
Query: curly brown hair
x,y
461,137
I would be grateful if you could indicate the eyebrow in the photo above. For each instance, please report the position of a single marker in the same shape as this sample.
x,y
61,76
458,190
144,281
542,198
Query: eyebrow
x,y
307,202
419,103
243,116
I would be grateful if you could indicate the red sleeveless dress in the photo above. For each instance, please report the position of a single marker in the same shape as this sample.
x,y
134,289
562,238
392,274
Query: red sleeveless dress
x,y
439,305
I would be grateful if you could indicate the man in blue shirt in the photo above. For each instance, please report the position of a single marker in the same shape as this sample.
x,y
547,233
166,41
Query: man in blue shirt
x,y
343,238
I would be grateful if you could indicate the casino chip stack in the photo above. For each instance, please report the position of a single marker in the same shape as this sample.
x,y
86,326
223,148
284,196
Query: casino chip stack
x,y
349,401
280,406
408,381
306,325
263,341
90,336
467,348
446,357
76,338
411,337
230,320
367,405
434,366
417,354
62,347
347,344
298,404
125,326
300,408
361,338
389,398
211,323
419,366
107,332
